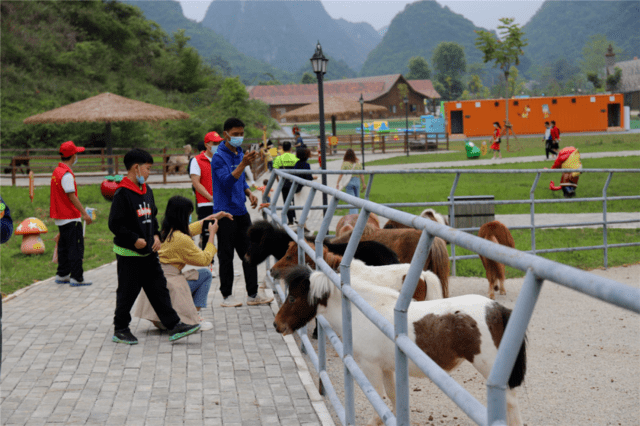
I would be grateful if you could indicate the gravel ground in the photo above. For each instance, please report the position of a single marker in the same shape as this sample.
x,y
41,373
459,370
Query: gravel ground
x,y
583,362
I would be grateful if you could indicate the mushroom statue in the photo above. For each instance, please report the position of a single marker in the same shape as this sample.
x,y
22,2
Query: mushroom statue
x,y
30,229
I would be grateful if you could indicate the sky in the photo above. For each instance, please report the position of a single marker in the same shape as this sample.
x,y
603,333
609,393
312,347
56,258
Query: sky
x,y
379,13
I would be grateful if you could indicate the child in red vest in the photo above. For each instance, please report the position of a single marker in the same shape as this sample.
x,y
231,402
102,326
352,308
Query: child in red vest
x,y
136,242
67,212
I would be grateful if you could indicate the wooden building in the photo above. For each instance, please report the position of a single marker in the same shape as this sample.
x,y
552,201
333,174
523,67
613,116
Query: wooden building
x,y
587,113
630,82
380,90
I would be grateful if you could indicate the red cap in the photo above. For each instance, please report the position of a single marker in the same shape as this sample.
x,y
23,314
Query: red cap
x,y
212,137
68,148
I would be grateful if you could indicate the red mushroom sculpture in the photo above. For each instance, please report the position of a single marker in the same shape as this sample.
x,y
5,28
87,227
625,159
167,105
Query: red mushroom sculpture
x,y
30,229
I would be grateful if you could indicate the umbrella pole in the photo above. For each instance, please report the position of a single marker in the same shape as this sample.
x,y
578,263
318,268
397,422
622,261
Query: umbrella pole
x,y
109,149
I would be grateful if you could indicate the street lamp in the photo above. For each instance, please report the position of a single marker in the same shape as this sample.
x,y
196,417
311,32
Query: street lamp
x,y
362,128
406,128
319,65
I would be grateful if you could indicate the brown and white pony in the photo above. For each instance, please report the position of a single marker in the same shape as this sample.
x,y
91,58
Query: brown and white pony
x,y
348,222
498,233
449,331
391,275
427,213
404,242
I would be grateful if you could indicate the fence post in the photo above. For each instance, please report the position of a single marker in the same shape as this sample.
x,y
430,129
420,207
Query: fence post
x,y
116,163
452,221
532,209
102,160
447,134
604,219
436,141
13,171
164,165
383,144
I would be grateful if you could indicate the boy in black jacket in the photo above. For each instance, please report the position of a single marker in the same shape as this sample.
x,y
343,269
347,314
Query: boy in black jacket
x,y
136,242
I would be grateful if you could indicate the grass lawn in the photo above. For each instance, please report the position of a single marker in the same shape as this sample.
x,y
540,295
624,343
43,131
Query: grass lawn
x,y
436,188
20,270
556,238
525,147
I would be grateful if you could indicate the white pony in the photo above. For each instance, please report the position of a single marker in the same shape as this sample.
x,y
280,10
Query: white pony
x,y
449,331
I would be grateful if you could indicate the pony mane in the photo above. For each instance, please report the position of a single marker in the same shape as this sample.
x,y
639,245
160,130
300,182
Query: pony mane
x,y
332,259
320,288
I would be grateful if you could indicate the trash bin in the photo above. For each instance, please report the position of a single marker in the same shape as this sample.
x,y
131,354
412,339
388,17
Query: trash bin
x,y
472,215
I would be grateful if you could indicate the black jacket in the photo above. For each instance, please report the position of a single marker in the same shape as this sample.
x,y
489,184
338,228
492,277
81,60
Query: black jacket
x,y
133,215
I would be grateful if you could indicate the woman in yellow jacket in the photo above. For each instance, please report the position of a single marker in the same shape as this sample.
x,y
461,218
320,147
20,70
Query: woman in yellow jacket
x,y
188,291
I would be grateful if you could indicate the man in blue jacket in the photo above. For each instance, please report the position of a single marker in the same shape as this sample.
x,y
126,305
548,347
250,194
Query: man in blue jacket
x,y
230,190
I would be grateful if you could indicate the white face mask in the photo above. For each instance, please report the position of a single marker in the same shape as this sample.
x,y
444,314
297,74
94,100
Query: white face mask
x,y
75,161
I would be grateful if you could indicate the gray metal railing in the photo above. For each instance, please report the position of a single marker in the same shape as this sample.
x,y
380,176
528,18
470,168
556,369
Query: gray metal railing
x,y
537,270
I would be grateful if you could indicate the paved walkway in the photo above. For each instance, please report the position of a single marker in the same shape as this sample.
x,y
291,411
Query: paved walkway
x,y
59,365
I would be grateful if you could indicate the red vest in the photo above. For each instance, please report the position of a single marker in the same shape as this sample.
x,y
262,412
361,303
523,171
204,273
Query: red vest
x,y
61,206
205,177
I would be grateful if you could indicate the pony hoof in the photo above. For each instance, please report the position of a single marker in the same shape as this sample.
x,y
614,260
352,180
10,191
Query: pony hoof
x,y
492,296
503,292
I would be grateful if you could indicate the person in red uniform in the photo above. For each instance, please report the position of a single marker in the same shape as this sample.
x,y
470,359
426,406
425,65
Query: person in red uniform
x,y
67,212
200,172
555,136
496,140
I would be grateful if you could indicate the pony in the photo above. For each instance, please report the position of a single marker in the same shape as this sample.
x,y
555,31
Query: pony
x,y
498,233
179,163
404,242
449,331
427,213
390,274
264,240
347,222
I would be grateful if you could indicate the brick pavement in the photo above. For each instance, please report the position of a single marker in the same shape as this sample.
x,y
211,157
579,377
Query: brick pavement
x,y
59,365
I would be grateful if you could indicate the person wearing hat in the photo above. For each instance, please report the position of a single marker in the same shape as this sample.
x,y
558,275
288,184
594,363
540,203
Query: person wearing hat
x,y
67,212
200,173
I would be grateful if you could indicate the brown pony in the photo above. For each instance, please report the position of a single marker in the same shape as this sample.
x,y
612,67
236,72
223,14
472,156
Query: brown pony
x,y
404,242
427,213
349,221
498,233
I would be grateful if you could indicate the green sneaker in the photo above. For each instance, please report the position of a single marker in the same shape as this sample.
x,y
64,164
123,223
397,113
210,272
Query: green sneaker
x,y
124,337
182,330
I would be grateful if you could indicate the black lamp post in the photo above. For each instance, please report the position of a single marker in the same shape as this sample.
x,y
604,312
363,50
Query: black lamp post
x,y
362,128
406,129
319,64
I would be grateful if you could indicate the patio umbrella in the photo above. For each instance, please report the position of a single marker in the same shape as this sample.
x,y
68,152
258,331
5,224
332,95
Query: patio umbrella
x,y
107,108
334,107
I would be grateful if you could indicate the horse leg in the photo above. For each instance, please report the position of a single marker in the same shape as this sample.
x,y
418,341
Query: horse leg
x,y
513,411
374,373
389,381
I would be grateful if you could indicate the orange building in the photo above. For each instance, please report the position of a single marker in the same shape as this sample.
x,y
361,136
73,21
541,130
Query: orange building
x,y
587,113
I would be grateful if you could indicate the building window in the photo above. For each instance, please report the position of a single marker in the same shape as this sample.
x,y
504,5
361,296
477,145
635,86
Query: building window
x,y
281,111
393,108
413,107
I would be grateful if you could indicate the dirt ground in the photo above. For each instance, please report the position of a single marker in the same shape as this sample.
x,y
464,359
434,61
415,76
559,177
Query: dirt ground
x,y
583,364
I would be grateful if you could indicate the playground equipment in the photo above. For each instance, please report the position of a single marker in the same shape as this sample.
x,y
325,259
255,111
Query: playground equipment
x,y
472,150
376,127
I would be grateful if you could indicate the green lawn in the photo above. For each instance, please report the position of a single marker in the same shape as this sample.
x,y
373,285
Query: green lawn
x,y
525,147
436,188
556,238
19,270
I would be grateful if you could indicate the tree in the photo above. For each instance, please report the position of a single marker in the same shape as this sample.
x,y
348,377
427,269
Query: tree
x,y
307,78
614,79
418,69
449,59
234,98
505,52
516,84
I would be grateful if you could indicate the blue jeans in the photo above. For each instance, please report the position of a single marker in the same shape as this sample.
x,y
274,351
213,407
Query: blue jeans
x,y
200,288
353,188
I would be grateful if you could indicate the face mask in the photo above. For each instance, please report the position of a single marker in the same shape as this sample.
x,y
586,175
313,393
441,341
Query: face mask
x,y
75,161
236,141
189,218
214,149
140,179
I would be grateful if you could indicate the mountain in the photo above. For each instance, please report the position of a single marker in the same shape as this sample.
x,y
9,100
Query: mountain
x,y
362,33
416,31
214,49
284,33
560,29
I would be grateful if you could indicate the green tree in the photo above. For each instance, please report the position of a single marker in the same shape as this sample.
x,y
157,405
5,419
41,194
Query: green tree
x,y
593,59
614,79
505,52
449,59
418,69
308,78
516,84
234,98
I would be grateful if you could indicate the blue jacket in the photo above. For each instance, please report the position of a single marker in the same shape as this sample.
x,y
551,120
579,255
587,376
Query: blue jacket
x,y
228,192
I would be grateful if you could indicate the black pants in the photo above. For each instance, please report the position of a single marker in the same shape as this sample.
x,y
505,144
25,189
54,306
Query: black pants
x,y
291,214
134,273
548,148
232,235
202,213
71,251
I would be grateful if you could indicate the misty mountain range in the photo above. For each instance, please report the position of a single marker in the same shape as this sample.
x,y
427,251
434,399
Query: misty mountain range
x,y
262,39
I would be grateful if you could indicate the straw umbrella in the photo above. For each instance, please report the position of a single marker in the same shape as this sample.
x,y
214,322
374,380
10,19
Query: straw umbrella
x,y
107,108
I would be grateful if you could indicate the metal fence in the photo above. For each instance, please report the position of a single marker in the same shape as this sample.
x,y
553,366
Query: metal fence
x,y
537,270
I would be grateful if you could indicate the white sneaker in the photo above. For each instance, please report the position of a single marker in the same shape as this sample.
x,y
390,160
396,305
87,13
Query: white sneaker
x,y
230,302
259,299
205,326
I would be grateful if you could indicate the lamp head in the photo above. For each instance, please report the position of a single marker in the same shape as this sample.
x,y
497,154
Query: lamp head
x,y
318,61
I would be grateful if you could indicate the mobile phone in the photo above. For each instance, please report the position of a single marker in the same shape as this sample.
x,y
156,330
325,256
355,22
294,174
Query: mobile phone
x,y
205,228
